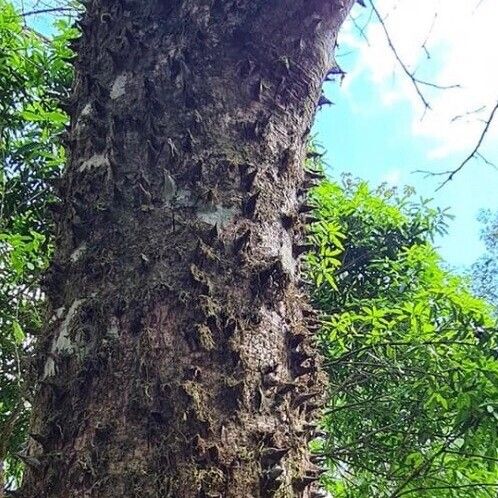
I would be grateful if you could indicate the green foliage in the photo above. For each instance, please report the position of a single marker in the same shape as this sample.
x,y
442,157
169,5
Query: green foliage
x,y
34,76
409,351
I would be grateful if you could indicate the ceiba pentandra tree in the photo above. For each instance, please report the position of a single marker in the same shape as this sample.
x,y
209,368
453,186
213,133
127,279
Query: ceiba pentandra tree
x,y
178,360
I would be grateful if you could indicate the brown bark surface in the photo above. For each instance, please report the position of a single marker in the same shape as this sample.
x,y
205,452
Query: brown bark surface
x,y
179,360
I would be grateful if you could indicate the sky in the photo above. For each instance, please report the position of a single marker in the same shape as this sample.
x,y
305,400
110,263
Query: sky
x,y
377,129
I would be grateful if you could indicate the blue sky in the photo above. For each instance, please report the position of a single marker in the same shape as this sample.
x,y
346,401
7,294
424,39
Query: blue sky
x,y
375,130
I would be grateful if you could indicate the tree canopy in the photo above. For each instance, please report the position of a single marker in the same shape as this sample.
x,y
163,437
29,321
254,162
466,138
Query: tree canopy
x,y
35,76
410,352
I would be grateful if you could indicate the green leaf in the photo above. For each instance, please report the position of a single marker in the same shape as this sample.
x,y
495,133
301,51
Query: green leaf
x,y
18,333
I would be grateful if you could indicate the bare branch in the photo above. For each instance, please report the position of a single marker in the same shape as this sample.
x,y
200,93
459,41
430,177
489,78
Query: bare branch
x,y
416,82
361,29
52,10
475,111
473,154
435,85
478,5
486,161
398,58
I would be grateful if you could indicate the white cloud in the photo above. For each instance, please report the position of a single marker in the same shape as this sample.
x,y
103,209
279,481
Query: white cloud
x,y
392,177
462,43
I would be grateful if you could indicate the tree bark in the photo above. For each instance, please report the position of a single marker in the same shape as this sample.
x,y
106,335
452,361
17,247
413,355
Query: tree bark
x,y
179,360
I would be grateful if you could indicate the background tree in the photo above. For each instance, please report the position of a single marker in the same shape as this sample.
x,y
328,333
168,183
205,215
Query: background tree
x,y
413,401
33,78
485,269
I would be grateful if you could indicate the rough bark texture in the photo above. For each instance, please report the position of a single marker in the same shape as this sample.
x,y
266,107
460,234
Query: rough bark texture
x,y
179,361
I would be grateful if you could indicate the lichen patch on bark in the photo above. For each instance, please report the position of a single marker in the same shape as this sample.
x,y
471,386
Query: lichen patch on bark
x,y
216,215
119,86
78,252
96,161
62,342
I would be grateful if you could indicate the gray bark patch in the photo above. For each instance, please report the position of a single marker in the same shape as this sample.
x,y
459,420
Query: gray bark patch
x,y
119,86
62,342
96,161
218,215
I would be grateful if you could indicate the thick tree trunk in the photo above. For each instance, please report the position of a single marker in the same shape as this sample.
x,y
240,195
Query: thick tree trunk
x,y
179,361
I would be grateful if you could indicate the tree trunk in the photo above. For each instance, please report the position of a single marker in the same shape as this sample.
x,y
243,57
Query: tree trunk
x,y
179,359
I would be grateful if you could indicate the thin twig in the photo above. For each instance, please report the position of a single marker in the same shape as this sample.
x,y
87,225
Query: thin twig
x,y
353,352
472,455
451,174
43,38
478,5
416,472
424,45
460,116
361,29
398,58
450,486
486,161
48,11
416,82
